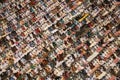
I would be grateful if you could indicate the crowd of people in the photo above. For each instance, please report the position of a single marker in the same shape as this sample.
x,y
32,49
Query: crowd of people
x,y
59,40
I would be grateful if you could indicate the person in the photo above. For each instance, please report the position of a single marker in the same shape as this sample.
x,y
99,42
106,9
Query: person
x,y
117,2
1,1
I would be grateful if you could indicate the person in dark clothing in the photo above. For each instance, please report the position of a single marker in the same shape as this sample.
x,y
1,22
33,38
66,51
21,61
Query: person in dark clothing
x,y
2,1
